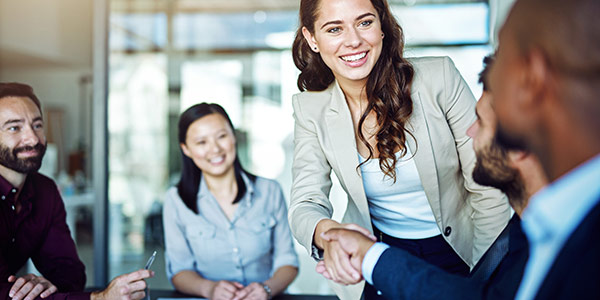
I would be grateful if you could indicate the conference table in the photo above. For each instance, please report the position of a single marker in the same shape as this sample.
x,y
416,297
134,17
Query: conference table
x,y
155,294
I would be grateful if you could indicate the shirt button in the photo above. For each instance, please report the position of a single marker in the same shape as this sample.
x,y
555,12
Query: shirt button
x,y
13,207
13,240
13,191
447,231
235,250
3,197
378,293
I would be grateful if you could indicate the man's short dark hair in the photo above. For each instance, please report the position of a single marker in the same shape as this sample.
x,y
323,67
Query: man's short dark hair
x,y
15,89
483,76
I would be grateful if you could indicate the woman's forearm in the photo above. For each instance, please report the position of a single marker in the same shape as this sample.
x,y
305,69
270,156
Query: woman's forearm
x,y
281,279
189,282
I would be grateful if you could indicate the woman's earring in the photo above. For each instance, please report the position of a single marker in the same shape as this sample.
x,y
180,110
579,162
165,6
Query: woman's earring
x,y
315,48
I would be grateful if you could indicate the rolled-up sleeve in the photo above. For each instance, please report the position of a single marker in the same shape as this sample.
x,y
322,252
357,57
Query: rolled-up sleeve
x,y
178,254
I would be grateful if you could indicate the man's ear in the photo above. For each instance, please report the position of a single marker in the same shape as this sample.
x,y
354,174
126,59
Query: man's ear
x,y
537,75
515,157
310,39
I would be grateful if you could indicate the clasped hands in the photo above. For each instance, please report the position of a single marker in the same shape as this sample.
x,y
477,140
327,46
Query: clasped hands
x,y
344,248
226,290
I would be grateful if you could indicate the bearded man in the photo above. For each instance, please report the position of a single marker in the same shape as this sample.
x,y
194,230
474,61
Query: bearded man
x,y
33,217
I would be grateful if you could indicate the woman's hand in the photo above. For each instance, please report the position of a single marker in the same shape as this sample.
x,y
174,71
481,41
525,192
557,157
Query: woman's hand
x,y
336,260
253,291
225,290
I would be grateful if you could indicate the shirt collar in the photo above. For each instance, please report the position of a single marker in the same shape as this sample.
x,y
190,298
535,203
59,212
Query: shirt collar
x,y
7,190
204,192
557,209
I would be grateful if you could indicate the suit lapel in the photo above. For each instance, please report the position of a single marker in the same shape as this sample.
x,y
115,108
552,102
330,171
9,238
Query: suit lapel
x,y
341,134
423,154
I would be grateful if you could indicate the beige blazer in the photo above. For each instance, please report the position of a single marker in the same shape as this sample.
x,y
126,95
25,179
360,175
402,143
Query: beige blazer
x,y
469,216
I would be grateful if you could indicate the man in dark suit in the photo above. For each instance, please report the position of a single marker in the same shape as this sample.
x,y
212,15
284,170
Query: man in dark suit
x,y
397,274
546,84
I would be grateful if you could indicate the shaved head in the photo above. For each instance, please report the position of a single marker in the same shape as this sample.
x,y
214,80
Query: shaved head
x,y
546,81
567,33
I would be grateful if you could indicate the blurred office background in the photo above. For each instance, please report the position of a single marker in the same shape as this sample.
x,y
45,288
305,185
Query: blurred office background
x,y
114,75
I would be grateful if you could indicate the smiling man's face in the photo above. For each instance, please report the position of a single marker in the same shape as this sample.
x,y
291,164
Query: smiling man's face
x,y
22,139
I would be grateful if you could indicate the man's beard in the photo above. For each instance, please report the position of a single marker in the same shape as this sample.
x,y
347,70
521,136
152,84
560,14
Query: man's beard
x,y
492,169
9,158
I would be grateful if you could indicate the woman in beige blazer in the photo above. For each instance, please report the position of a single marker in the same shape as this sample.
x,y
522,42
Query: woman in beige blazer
x,y
363,99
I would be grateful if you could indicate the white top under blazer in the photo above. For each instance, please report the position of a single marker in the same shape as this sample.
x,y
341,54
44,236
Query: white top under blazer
x,y
399,209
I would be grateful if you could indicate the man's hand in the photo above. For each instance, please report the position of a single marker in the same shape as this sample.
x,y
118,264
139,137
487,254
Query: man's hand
x,y
225,290
321,269
337,260
355,244
30,286
254,291
127,286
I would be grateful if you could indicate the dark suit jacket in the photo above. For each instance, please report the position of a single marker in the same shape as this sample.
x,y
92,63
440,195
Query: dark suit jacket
x,y
575,273
399,275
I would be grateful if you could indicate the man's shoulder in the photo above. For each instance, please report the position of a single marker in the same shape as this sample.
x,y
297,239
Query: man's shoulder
x,y
43,188
41,180
576,271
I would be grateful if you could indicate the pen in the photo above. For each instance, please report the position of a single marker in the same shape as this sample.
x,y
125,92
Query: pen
x,y
150,261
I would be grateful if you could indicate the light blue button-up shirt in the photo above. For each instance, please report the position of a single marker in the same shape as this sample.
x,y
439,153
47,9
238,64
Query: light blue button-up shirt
x,y
552,216
249,248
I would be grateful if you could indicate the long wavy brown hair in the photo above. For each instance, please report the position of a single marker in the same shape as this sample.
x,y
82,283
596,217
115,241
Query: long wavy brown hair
x,y
388,85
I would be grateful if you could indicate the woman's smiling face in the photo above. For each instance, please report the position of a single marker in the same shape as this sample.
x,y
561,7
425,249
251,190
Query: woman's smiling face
x,y
348,36
210,143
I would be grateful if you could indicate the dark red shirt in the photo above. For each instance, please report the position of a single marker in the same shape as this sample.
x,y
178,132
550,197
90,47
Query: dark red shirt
x,y
40,232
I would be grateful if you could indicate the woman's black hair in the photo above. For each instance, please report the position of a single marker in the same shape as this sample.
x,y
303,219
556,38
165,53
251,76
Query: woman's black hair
x,y
189,184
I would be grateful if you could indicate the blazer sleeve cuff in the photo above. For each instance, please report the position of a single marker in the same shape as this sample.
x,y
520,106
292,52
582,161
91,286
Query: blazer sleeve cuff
x,y
316,253
370,260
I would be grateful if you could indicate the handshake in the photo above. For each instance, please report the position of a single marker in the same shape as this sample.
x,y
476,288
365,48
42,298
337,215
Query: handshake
x,y
344,248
